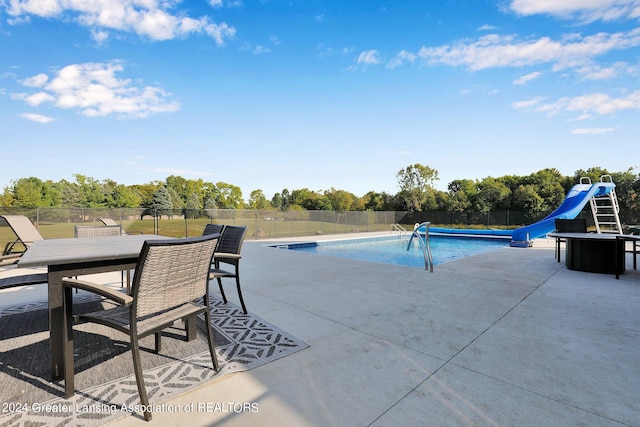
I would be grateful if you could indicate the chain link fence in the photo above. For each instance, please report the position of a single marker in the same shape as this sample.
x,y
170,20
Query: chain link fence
x,y
266,224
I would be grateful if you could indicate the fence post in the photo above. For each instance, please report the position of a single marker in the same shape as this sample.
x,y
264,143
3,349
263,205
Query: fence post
x,y
186,226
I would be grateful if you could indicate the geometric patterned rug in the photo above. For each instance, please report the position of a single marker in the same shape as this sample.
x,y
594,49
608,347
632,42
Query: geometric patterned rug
x,y
105,384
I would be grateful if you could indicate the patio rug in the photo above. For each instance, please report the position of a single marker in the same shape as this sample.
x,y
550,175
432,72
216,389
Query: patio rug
x,y
104,381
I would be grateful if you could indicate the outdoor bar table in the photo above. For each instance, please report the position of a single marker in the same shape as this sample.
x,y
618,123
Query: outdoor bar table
x,y
77,257
593,252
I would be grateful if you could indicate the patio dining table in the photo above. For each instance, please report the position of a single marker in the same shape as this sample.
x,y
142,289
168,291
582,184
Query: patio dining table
x,y
76,257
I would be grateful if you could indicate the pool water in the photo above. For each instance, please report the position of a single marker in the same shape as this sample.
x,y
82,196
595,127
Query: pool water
x,y
394,250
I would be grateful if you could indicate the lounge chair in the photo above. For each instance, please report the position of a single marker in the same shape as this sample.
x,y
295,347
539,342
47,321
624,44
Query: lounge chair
x,y
26,234
110,223
171,283
9,259
578,225
107,221
228,252
24,230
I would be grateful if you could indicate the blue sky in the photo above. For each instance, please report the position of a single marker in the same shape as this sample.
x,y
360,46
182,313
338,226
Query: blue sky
x,y
316,94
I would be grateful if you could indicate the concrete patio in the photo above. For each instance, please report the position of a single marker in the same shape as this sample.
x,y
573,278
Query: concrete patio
x,y
507,338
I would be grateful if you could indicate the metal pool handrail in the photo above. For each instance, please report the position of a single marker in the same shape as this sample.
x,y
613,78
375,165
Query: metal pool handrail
x,y
399,228
424,244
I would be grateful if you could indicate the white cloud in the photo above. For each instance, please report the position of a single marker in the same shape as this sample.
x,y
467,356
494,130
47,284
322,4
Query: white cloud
x,y
147,18
38,98
38,118
522,80
94,90
220,32
586,105
275,40
259,49
325,51
99,36
229,3
496,51
597,72
368,57
486,27
592,131
584,10
520,105
35,81
401,58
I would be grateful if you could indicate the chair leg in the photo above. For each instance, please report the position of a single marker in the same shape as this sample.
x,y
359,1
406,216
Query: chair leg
x,y
224,298
191,328
244,308
69,385
212,345
137,366
158,341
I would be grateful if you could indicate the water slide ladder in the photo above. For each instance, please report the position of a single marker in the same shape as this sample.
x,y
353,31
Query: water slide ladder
x,y
605,209
424,244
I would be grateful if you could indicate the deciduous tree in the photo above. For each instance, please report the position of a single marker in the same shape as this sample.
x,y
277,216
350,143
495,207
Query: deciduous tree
x,y
415,181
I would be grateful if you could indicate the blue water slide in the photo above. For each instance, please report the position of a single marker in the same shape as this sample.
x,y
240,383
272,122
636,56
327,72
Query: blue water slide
x,y
576,199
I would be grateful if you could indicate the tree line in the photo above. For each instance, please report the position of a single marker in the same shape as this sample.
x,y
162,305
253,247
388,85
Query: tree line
x,y
536,193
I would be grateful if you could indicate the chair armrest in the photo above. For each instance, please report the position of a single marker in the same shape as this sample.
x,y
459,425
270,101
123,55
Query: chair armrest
x,y
9,259
8,248
221,255
112,294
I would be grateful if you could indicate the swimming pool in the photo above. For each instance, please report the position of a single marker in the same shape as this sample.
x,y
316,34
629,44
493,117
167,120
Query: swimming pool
x,y
393,250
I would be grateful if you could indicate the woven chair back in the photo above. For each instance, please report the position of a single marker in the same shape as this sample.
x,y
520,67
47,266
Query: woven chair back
x,y
578,225
231,239
213,229
85,231
171,273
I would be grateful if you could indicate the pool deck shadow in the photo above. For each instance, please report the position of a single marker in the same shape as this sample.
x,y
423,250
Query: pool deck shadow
x,y
509,337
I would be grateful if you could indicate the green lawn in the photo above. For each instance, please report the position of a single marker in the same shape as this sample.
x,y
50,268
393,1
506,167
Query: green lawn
x,y
257,228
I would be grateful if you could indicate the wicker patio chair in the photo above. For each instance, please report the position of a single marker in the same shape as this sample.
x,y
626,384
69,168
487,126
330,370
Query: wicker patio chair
x,y
578,225
110,222
170,284
84,231
25,232
213,228
228,252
